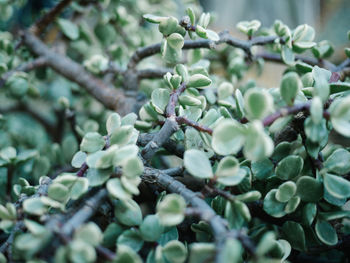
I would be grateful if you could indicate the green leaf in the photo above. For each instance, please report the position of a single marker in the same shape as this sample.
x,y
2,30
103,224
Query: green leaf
x,y
92,142
201,252
258,145
160,99
225,90
321,85
186,100
34,206
169,54
18,85
337,186
303,37
123,154
101,159
340,116
292,204
182,71
78,159
326,233
249,27
250,196
308,79
295,235
89,233
198,164
131,238
129,119
128,212
113,122
2,258
272,206
58,192
212,35
122,135
266,243
309,213
309,189
234,179
8,154
228,166
232,251
204,20
171,234
191,15
316,110
337,87
286,191
171,210
262,169
323,49
168,25
126,254
228,172
338,162
258,103
116,189
290,86
133,167
151,229
111,234
97,177
175,40
175,252
228,137
198,81
289,167
153,18
69,29
287,55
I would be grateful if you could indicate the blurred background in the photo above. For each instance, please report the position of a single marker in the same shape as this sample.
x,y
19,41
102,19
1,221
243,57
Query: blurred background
x,y
330,18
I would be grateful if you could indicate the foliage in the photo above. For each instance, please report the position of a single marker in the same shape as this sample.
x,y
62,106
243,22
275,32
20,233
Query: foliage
x,y
105,160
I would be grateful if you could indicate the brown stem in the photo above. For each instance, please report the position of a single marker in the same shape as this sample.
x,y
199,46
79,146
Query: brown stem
x,y
196,125
10,170
285,112
174,98
49,17
153,73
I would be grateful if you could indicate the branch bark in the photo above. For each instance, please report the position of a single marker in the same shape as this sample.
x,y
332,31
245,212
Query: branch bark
x,y
218,225
111,98
225,37
26,67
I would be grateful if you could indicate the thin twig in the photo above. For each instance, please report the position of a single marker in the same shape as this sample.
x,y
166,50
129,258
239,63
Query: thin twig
x,y
153,73
225,37
285,112
49,17
26,67
196,125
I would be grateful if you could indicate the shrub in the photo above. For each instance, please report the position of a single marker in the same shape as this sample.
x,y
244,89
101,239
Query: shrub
x,y
112,153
